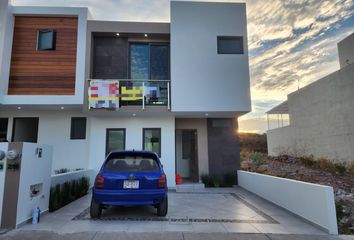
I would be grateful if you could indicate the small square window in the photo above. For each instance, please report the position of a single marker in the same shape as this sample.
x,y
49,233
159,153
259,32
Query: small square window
x,y
230,45
78,128
46,40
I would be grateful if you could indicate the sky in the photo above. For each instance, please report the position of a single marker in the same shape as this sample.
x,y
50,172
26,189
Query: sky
x,y
291,42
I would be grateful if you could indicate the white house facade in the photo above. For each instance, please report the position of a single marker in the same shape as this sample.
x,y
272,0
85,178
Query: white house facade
x,y
86,87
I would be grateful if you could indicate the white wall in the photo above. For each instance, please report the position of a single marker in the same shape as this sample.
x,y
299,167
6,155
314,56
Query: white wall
x,y
201,79
134,139
311,201
346,51
54,130
75,175
6,31
321,119
3,147
34,170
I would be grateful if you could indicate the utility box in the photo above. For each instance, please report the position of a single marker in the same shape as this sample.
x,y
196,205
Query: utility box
x,y
25,180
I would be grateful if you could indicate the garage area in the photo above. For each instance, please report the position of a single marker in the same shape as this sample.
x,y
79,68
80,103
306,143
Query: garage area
x,y
229,210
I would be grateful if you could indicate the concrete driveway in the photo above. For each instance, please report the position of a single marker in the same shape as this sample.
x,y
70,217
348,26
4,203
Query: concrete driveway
x,y
231,210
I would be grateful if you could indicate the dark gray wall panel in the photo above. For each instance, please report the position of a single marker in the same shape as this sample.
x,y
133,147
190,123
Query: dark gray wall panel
x,y
223,146
110,58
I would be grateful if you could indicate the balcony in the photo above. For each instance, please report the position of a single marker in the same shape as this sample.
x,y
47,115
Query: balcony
x,y
128,94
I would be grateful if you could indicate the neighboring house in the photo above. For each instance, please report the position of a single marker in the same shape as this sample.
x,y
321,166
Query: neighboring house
x,y
321,115
86,86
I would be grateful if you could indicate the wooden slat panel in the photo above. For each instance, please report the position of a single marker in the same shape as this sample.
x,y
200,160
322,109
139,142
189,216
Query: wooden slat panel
x,y
43,72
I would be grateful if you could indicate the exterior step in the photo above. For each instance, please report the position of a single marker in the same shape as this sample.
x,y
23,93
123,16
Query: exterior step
x,y
190,187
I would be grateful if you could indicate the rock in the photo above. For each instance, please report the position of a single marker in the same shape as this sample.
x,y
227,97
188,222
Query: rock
x,y
248,165
262,168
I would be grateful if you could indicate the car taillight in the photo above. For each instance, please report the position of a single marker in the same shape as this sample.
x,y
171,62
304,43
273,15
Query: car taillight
x,y
99,182
162,181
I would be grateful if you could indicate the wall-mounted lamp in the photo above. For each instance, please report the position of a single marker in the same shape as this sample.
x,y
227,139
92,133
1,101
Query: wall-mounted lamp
x,y
12,154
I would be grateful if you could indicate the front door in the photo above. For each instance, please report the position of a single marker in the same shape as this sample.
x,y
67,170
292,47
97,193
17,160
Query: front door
x,y
187,155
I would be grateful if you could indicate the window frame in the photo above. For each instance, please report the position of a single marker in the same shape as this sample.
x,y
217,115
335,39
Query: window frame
x,y
115,129
146,129
22,118
230,38
72,129
149,44
39,32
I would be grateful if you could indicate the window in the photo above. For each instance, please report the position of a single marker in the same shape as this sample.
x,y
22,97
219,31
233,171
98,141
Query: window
x,y
150,61
3,129
46,40
78,128
159,62
230,45
152,140
115,139
139,61
25,130
134,163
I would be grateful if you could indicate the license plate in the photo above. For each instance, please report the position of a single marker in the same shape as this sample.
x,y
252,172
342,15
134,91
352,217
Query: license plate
x,y
131,184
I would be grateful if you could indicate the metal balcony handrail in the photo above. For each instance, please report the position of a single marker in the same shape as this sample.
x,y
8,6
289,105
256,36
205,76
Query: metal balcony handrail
x,y
143,81
129,80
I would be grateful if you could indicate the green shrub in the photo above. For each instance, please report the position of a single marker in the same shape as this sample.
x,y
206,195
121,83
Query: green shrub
x,y
340,168
257,158
229,179
205,180
307,161
62,194
215,181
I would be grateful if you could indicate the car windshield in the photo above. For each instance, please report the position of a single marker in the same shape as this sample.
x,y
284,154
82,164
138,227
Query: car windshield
x,y
131,164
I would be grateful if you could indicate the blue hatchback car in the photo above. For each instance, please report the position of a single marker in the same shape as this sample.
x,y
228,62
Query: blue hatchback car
x,y
129,178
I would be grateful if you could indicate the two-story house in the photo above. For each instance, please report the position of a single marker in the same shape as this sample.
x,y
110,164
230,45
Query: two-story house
x,y
87,87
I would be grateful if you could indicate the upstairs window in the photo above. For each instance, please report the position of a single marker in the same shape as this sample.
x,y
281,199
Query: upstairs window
x,y
78,128
230,45
46,40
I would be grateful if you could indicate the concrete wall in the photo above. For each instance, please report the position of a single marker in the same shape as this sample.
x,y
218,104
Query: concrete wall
x,y
34,170
346,51
201,79
312,202
321,119
75,175
199,124
134,139
54,130
4,148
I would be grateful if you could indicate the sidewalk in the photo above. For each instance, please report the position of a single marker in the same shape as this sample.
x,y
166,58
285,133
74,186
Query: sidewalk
x,y
48,235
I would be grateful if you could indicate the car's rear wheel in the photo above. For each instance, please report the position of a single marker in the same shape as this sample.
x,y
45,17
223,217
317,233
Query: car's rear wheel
x,y
95,209
162,208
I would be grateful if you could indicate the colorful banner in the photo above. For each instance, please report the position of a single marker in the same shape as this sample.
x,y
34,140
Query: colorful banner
x,y
104,94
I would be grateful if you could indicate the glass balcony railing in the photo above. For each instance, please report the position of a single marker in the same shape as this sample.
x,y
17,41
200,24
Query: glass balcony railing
x,y
115,94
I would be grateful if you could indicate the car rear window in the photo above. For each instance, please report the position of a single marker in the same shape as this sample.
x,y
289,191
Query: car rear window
x,y
131,164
